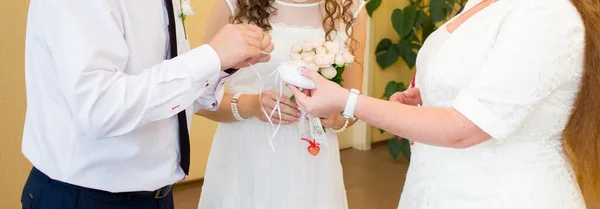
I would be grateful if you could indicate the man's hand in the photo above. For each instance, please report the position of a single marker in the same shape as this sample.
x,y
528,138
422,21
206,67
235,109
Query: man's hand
x,y
411,97
237,45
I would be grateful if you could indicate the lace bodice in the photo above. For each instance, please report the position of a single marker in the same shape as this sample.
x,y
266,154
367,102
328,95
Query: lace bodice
x,y
513,69
291,24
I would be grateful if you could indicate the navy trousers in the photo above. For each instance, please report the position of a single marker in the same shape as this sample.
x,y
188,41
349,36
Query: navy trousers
x,y
41,192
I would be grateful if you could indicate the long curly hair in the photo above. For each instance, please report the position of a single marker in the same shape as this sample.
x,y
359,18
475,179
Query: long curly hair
x,y
582,133
258,12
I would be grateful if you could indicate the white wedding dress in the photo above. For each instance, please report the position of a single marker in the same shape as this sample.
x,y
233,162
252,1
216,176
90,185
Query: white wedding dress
x,y
243,172
513,69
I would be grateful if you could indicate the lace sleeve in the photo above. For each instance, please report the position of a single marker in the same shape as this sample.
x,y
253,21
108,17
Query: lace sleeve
x,y
537,50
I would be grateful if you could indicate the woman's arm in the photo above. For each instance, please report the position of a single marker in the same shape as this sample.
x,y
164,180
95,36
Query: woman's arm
x,y
353,74
435,126
452,129
249,105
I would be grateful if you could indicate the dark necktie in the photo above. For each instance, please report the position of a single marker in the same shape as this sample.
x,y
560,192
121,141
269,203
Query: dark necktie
x,y
184,134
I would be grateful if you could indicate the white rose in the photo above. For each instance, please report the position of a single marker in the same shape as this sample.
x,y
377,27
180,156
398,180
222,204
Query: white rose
x,y
295,57
323,60
296,48
332,48
308,57
329,72
318,41
321,50
331,58
339,60
312,66
186,9
307,46
348,58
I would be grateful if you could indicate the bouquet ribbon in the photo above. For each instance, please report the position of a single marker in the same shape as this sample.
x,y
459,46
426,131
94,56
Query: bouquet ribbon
x,y
314,126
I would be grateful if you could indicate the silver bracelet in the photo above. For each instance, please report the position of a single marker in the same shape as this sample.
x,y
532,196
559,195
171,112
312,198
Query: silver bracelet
x,y
234,107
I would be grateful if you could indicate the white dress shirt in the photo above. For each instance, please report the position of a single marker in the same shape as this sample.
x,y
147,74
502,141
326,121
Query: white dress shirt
x,y
101,99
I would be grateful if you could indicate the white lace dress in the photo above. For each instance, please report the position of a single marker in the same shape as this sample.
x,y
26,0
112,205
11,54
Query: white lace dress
x,y
513,69
243,172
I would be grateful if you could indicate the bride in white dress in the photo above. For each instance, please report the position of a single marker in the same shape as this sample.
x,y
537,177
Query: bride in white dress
x,y
243,171
509,112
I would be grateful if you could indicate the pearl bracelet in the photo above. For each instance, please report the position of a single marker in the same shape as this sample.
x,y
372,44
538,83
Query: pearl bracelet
x,y
234,107
343,127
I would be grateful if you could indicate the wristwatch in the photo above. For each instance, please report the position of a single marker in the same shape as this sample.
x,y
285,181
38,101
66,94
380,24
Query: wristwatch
x,y
231,71
348,113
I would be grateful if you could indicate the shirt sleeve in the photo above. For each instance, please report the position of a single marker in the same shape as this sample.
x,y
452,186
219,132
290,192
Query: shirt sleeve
x,y
536,52
88,46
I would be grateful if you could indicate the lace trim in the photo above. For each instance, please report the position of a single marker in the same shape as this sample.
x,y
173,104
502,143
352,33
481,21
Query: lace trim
x,y
283,25
300,4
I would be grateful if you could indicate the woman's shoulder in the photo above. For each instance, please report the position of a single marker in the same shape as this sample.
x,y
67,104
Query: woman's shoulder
x,y
560,14
552,9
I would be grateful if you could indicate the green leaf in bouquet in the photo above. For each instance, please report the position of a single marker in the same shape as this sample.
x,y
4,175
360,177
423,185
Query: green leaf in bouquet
x,y
338,77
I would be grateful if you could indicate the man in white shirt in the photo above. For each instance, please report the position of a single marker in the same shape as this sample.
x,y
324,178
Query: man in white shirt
x,y
108,110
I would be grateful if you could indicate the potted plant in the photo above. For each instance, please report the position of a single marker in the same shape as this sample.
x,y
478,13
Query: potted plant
x,y
413,24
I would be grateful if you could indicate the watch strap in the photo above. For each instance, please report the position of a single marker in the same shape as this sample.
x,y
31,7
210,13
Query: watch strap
x,y
351,104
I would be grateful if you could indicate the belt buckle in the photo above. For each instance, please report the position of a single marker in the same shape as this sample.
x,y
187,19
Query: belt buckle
x,y
163,192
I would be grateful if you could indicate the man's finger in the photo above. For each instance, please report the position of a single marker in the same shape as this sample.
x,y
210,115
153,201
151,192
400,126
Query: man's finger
x,y
255,29
268,48
252,41
264,58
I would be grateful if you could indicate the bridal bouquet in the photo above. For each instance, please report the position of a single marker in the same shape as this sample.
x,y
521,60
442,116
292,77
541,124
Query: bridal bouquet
x,y
326,57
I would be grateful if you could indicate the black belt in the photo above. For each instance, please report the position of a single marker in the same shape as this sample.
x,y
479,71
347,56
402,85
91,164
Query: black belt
x,y
156,194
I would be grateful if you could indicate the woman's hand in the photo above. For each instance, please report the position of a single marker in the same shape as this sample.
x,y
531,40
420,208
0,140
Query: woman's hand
x,y
334,122
411,97
289,110
328,98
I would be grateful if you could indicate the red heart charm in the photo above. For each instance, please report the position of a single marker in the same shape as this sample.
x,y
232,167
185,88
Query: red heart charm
x,y
313,148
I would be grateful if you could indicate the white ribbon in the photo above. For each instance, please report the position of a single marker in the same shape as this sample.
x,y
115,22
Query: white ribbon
x,y
315,127
277,108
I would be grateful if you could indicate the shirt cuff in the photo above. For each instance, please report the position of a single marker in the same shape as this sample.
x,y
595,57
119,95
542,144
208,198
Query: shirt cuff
x,y
212,96
470,107
202,63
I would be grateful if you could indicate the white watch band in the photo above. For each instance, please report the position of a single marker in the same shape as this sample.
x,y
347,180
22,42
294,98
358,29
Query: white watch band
x,y
234,107
348,113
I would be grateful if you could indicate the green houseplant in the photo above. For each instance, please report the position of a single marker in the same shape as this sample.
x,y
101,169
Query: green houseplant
x,y
413,24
